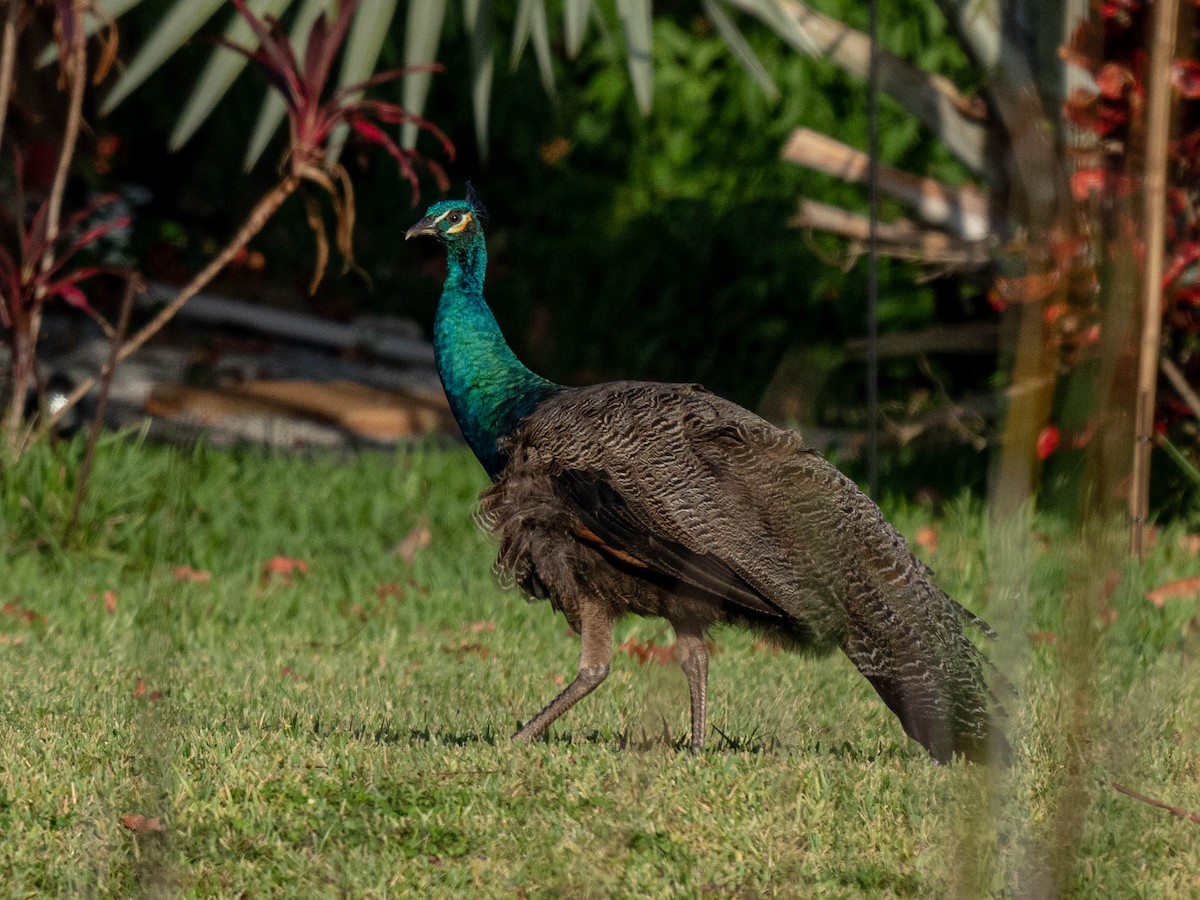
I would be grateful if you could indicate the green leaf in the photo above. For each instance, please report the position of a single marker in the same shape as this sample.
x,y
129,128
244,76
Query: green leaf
x,y
223,67
477,16
184,20
575,19
740,48
636,19
422,31
273,109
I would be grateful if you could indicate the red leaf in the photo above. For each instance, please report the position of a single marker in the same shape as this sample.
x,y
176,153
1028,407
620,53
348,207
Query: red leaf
x,y
1084,181
370,131
1083,438
1119,9
1188,253
110,602
1054,312
1185,75
1048,441
73,295
1112,79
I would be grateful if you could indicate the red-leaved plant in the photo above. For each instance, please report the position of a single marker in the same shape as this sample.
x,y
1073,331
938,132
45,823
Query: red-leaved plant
x,y
314,119
1111,48
41,271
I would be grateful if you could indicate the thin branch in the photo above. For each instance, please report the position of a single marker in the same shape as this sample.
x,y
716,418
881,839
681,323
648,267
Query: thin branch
x,y
8,57
1158,804
931,99
960,210
263,210
25,345
133,286
1185,391
1158,134
76,72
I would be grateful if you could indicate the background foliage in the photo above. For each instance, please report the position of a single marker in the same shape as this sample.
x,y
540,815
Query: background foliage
x,y
621,245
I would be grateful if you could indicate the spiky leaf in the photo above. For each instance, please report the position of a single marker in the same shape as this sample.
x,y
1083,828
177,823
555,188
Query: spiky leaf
x,y
219,74
184,20
477,15
423,30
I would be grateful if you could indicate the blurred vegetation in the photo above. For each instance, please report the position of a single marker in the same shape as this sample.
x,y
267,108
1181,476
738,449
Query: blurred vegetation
x,y
621,246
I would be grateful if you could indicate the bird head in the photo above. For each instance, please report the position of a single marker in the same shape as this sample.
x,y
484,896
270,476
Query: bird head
x,y
451,221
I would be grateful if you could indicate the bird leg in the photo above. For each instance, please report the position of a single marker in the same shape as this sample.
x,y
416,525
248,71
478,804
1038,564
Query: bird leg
x,y
595,655
693,659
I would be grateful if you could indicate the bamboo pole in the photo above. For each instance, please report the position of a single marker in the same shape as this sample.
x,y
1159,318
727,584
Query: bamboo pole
x,y
1158,133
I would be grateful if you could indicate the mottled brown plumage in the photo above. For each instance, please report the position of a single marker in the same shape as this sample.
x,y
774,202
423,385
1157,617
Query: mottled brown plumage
x,y
666,500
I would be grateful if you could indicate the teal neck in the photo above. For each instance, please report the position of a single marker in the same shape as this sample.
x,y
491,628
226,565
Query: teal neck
x,y
490,391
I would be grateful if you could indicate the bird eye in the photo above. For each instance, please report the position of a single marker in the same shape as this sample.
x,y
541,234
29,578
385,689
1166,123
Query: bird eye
x,y
454,218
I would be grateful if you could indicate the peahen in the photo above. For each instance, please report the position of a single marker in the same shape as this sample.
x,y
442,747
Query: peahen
x,y
667,500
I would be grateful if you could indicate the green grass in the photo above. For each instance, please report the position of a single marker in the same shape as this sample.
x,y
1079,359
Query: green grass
x,y
333,737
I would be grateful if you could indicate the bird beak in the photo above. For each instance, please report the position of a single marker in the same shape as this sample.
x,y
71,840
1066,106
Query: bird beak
x,y
425,226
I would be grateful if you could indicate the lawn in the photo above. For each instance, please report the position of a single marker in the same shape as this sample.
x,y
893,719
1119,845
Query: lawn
x,y
247,674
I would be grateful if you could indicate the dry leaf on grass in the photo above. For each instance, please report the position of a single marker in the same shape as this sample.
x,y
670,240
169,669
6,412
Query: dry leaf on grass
x,y
138,822
13,608
927,538
387,589
110,602
284,569
139,690
414,542
1172,590
1190,544
1042,638
646,653
482,627
187,573
462,648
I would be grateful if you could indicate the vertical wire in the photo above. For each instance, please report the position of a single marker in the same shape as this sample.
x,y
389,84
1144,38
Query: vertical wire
x,y
873,255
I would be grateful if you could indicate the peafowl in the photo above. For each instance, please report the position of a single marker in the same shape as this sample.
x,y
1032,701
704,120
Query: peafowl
x,y
666,500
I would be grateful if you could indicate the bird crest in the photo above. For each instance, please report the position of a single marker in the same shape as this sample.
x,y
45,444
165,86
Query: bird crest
x,y
481,212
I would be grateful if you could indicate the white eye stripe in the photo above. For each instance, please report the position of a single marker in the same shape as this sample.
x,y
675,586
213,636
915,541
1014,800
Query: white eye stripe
x,y
442,216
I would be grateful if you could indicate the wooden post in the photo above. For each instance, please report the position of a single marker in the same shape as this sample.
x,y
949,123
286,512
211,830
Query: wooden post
x,y
1158,132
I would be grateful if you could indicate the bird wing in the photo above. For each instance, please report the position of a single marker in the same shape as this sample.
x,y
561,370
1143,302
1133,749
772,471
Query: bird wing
x,y
695,488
